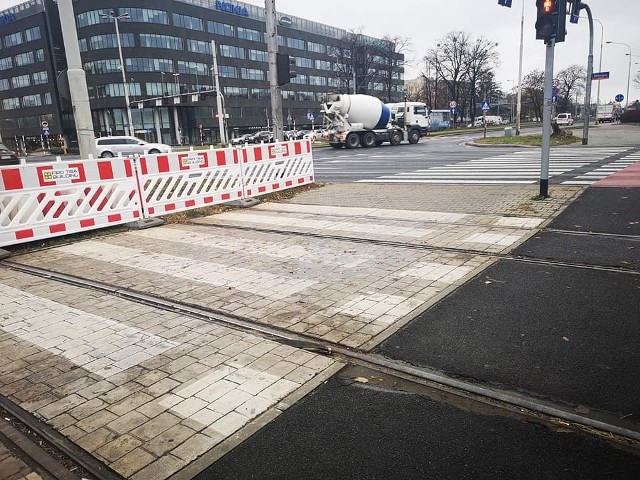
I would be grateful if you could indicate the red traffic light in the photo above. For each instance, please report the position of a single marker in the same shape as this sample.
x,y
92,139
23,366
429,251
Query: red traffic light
x,y
547,6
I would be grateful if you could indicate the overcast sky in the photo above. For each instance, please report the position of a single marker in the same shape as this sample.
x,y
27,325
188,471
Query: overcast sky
x,y
424,22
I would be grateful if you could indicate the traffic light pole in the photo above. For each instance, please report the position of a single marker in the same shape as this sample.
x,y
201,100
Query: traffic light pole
x,y
546,120
221,113
587,93
272,47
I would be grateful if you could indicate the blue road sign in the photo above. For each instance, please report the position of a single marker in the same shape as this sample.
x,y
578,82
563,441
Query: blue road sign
x,y
574,18
454,111
554,98
599,75
46,131
311,116
555,91
505,3
485,105
619,97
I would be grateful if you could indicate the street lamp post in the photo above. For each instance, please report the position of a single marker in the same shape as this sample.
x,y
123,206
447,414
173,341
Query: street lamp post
x,y
629,75
116,18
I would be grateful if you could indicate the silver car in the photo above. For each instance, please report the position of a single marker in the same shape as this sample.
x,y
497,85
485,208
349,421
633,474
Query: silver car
x,y
111,146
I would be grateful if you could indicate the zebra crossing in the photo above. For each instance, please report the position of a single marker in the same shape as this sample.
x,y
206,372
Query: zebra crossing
x,y
569,166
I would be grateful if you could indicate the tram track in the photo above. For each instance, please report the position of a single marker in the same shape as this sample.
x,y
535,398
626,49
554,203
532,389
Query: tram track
x,y
598,424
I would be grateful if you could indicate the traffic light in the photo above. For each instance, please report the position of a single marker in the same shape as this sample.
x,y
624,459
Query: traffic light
x,y
505,3
283,67
552,16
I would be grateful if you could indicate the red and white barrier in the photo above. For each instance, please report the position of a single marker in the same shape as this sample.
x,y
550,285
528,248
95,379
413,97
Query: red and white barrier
x,y
40,201
174,182
276,166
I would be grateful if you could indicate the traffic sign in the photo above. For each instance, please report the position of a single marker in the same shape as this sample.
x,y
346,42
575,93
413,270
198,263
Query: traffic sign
x,y
311,116
599,75
46,131
45,124
555,91
485,105
554,99
619,97
453,104
454,111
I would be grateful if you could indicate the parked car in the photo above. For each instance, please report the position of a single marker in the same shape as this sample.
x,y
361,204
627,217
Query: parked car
x,y
563,119
241,140
261,137
8,157
111,146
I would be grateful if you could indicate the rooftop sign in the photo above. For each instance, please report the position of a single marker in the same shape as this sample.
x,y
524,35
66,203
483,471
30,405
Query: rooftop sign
x,y
231,8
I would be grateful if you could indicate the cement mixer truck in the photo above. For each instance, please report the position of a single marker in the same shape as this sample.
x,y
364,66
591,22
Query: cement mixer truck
x,y
363,120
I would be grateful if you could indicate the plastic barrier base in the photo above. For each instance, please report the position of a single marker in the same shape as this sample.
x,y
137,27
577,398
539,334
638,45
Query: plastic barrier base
x,y
145,223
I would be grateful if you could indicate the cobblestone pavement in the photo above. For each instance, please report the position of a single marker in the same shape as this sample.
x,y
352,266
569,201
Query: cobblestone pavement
x,y
149,391
12,468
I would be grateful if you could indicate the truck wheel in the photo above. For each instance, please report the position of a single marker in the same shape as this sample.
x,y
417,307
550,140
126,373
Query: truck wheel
x,y
414,136
368,140
353,140
396,138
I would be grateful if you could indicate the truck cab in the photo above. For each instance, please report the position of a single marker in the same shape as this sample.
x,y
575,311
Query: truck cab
x,y
414,113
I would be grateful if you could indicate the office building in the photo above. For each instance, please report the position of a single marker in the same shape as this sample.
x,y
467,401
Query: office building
x,y
167,52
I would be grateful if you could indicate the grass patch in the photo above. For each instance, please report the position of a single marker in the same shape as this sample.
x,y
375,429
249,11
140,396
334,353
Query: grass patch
x,y
530,140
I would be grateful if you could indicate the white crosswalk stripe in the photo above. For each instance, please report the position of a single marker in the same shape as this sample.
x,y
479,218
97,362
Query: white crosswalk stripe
x,y
521,167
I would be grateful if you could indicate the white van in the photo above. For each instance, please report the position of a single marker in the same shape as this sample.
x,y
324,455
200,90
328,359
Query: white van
x,y
563,119
490,119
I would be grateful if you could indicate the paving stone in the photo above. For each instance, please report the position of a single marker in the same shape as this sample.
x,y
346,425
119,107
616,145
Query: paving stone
x,y
155,426
169,439
118,448
133,462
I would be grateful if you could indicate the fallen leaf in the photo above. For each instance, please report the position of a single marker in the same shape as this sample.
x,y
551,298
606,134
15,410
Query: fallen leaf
x,y
361,380
565,339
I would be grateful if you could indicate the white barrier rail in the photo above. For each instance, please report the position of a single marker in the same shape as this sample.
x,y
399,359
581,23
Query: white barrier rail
x,y
176,182
271,167
51,199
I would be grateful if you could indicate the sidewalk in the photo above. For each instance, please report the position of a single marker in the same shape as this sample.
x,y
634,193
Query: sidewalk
x,y
156,394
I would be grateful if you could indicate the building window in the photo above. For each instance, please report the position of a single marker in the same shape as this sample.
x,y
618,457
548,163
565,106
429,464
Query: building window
x,y
113,90
316,47
146,15
304,62
221,29
299,79
323,65
24,59
281,41
13,39
39,55
6,63
110,65
317,80
161,41
258,55
232,52
248,34
295,43
193,68
260,93
82,44
40,77
110,40
47,98
10,103
31,100
238,92
199,46
252,74
4,84
32,34
227,71
148,65
305,96
21,81
86,19
186,21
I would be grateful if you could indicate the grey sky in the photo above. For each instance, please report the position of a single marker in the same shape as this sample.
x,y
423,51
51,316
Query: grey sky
x,y
424,22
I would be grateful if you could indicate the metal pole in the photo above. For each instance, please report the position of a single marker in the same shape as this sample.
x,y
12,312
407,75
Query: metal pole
x,y
546,120
272,47
587,93
124,79
519,105
77,82
216,81
600,66
628,77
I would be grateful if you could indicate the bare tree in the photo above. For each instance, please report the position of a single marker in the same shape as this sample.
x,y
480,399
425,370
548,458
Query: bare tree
x,y
572,81
533,91
482,58
355,56
391,55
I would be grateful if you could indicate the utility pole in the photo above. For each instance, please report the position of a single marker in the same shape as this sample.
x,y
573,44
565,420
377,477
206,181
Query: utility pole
x,y
519,102
546,120
221,113
587,93
272,48
77,81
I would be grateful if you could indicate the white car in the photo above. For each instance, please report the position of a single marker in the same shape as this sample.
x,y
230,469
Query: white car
x,y
111,146
563,119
